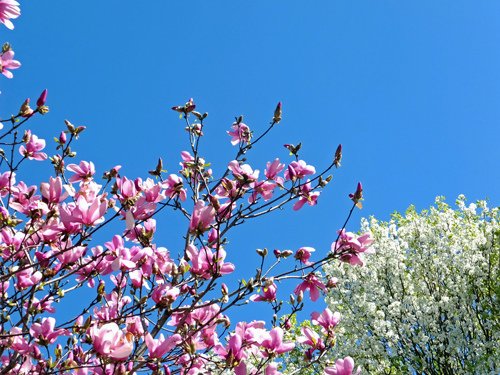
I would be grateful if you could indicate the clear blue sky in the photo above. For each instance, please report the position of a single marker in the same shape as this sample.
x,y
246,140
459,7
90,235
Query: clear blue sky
x,y
411,89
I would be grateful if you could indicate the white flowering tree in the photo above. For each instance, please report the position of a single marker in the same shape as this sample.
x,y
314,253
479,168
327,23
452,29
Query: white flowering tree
x,y
428,300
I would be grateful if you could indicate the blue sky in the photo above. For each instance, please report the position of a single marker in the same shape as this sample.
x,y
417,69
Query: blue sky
x,y
411,90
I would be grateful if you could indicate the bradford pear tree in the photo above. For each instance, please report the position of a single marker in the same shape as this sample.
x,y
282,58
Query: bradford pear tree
x,y
428,300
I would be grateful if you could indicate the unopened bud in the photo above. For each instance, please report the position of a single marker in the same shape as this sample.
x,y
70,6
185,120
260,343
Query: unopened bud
x,y
25,110
159,168
101,288
262,252
6,47
43,110
42,99
62,138
338,156
332,283
300,296
70,126
288,324
224,289
277,113
286,253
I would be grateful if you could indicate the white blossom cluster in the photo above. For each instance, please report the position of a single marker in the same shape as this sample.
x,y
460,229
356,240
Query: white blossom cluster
x,y
428,301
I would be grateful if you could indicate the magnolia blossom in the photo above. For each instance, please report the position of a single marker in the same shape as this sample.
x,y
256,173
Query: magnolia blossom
x,y
9,9
83,171
159,347
109,341
327,320
311,283
306,195
342,367
304,254
298,170
240,133
202,218
274,344
44,331
7,59
33,147
268,294
350,246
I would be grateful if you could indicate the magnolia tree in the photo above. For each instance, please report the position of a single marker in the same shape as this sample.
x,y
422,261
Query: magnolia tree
x,y
143,308
428,301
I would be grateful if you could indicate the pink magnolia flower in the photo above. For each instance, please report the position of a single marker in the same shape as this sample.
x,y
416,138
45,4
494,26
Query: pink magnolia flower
x,y
84,171
7,62
311,338
174,187
33,147
27,278
298,169
350,246
243,173
239,132
206,262
44,331
83,212
135,325
202,218
52,191
165,294
311,283
304,254
159,347
45,304
109,341
326,319
9,9
268,294
7,180
272,170
274,345
342,367
233,353
262,188
69,254
126,188
19,343
306,196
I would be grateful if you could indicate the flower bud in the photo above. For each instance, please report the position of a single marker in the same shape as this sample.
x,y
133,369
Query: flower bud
x,y
6,47
43,110
332,282
262,252
25,110
357,196
62,138
101,288
277,113
338,156
300,296
42,99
